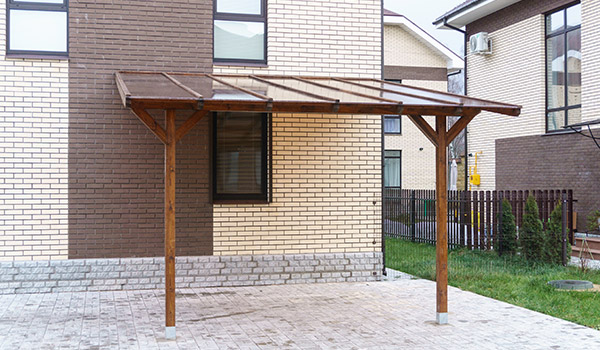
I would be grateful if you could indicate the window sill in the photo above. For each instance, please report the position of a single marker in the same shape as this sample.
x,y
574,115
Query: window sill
x,y
18,56
559,132
240,64
240,201
393,133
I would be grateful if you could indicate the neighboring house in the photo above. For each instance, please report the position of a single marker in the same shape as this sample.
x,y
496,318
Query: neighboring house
x,y
82,178
413,57
545,56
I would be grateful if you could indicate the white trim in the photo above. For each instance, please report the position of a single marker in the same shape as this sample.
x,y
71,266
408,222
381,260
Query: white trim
x,y
454,61
463,17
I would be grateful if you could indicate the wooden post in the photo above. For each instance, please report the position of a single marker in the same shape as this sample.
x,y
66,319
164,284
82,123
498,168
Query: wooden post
x,y
441,164
170,155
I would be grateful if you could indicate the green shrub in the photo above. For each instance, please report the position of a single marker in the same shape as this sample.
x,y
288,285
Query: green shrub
x,y
508,232
531,236
592,220
553,237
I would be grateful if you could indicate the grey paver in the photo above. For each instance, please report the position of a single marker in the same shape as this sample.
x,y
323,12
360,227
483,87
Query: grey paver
x,y
395,314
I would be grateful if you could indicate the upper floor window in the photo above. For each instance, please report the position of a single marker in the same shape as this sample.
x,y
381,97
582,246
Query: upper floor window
x,y
563,67
392,124
37,27
240,28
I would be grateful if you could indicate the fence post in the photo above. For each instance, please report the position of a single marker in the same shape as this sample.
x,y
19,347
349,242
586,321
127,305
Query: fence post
x,y
564,229
413,228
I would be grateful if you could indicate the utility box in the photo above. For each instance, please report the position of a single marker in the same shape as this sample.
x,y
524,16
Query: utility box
x,y
475,179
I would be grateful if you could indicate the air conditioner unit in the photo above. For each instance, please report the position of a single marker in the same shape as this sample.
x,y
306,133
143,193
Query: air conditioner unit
x,y
480,44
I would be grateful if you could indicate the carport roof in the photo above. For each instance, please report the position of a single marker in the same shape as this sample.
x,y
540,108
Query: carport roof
x,y
294,94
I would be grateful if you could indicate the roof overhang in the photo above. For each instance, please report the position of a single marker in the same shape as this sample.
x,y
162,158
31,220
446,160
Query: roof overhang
x,y
469,12
454,61
294,94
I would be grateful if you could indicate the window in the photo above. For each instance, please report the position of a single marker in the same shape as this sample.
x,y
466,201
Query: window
x,y
37,27
392,166
392,124
240,156
240,28
563,67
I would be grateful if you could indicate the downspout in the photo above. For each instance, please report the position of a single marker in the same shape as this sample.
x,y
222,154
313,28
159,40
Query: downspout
x,y
382,159
464,32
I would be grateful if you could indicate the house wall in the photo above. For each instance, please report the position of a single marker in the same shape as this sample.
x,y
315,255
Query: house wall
x,y
516,152
514,73
410,60
418,166
34,97
116,166
326,168
565,161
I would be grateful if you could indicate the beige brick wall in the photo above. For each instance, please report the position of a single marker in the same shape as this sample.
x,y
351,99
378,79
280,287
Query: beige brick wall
x,y
418,166
403,49
33,156
590,64
514,73
326,168
326,191
321,37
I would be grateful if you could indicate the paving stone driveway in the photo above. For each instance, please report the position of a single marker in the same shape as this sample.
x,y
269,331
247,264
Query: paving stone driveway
x,y
380,315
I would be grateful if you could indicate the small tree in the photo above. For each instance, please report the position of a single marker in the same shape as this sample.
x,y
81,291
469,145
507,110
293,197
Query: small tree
x,y
531,234
553,237
508,231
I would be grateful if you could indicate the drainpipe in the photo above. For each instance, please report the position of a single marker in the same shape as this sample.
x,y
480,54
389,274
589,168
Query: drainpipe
x,y
464,32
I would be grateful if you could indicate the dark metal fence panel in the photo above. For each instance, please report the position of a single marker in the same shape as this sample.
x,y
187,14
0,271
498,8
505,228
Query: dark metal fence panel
x,y
474,217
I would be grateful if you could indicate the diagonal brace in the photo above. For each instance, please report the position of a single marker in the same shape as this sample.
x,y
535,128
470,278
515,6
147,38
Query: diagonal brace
x,y
459,126
189,124
425,128
149,121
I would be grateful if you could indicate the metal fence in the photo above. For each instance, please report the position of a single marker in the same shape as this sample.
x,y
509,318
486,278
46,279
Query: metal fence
x,y
474,217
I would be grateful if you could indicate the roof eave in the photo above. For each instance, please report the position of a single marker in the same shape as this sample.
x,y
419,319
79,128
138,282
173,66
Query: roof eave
x,y
461,17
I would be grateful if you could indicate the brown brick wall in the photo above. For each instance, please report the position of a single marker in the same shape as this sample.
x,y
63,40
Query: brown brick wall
x,y
115,165
514,14
555,161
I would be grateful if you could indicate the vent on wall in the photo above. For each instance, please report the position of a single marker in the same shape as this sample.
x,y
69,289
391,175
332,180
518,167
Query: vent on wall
x,y
480,44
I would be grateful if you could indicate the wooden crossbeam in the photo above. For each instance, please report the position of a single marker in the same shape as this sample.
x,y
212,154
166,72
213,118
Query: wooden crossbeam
x,y
459,126
425,128
149,121
189,124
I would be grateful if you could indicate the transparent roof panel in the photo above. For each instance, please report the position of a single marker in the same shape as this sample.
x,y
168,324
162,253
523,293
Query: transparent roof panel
x,y
438,96
212,89
408,100
323,91
274,92
153,85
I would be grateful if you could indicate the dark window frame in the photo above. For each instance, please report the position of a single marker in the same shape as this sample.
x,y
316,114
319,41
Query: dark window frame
x,y
547,36
35,6
266,166
226,16
393,116
399,156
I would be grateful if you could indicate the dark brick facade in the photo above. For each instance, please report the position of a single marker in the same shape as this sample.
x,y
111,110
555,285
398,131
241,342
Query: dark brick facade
x,y
513,14
415,73
116,166
552,162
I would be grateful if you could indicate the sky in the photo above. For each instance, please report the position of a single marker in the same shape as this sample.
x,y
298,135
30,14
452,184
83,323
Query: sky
x,y
423,12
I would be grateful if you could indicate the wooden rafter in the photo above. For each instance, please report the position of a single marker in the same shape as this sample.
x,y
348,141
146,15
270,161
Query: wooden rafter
x,y
183,86
302,92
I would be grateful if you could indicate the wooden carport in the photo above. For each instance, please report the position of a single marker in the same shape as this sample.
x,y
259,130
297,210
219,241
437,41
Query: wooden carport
x,y
205,93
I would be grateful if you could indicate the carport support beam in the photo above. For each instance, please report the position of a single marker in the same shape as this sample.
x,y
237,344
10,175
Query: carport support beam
x,y
170,154
441,187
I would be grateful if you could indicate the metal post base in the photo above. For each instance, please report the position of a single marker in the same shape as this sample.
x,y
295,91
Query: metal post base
x,y
170,333
442,318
